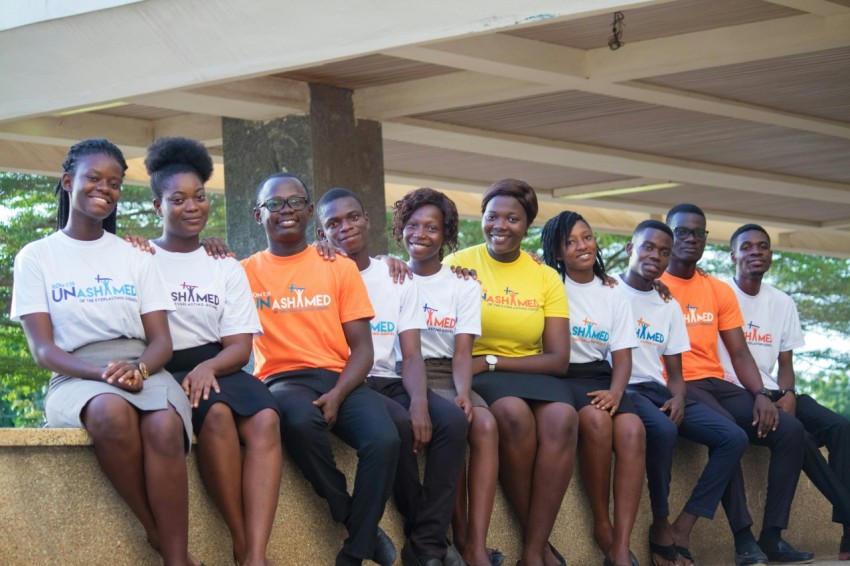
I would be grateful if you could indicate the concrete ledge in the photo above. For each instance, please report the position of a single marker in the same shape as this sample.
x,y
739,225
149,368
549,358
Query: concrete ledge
x,y
56,507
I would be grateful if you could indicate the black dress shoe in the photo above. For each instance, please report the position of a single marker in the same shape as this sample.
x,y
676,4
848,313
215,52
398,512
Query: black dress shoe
x,y
750,555
385,552
409,558
784,553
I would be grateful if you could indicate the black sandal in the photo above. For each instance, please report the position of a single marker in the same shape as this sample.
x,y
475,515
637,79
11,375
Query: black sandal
x,y
685,553
668,552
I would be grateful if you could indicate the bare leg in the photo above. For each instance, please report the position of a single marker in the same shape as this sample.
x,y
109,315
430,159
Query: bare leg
x,y
260,480
556,434
483,473
167,482
517,451
220,464
460,531
630,448
113,424
595,444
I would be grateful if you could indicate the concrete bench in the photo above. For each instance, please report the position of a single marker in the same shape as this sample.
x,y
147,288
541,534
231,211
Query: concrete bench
x,y
56,507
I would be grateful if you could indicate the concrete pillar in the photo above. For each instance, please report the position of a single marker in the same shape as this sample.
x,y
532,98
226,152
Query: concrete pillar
x,y
328,148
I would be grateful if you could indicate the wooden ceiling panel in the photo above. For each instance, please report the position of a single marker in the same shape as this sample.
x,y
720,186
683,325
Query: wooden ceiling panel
x,y
745,205
431,162
614,123
368,71
662,20
139,111
814,84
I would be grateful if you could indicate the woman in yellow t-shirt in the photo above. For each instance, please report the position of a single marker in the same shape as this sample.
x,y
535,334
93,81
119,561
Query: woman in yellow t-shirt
x,y
518,363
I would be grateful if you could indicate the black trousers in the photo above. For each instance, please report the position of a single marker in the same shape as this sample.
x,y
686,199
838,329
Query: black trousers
x,y
825,428
364,424
726,444
426,505
786,444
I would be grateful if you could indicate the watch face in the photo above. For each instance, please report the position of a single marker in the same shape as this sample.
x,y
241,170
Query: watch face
x,y
491,359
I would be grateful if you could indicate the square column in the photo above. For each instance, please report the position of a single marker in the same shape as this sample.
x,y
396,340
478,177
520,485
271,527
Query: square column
x,y
327,148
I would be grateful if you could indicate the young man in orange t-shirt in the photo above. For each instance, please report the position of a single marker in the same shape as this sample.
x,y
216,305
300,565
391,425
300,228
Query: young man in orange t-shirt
x,y
711,311
313,312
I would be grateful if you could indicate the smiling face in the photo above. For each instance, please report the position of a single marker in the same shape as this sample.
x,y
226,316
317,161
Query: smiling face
x,y
345,225
688,249
752,255
504,224
94,186
184,207
649,253
578,250
286,226
423,233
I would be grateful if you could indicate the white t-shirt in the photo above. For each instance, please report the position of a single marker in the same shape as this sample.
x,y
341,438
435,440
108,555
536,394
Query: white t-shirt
x,y
451,305
600,321
212,296
771,326
93,290
660,329
396,310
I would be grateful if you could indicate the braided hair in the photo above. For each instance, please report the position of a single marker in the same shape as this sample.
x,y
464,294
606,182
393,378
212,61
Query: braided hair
x,y
169,156
93,146
556,231
414,200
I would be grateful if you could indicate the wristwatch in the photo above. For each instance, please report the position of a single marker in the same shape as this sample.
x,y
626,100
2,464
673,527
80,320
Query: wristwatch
x,y
791,389
491,361
143,369
766,392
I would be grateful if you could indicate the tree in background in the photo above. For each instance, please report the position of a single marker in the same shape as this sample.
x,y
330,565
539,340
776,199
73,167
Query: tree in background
x,y
28,213
820,285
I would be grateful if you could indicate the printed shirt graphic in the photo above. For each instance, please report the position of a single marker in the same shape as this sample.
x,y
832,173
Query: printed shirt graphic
x,y
451,305
660,330
396,310
303,302
709,306
516,297
601,321
93,290
771,326
212,297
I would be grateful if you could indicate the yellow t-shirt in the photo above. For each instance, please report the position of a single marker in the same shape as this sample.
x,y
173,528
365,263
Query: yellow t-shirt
x,y
516,297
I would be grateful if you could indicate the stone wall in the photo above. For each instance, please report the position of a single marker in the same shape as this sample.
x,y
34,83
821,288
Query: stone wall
x,y
56,507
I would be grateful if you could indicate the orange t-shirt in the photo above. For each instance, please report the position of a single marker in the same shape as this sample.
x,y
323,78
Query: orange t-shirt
x,y
709,306
303,302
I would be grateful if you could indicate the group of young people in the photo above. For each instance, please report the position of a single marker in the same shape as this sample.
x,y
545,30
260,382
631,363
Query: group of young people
x,y
532,365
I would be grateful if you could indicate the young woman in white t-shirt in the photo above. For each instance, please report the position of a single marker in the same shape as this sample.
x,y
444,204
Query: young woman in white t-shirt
x,y
212,330
95,313
601,327
425,221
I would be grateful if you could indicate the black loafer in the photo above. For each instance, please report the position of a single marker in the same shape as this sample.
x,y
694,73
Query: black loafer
x,y
385,552
409,558
750,555
784,553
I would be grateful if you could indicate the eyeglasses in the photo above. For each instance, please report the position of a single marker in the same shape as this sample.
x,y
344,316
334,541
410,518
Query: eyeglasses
x,y
277,203
682,233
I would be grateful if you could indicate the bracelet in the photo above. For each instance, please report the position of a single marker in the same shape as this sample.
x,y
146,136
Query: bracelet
x,y
143,369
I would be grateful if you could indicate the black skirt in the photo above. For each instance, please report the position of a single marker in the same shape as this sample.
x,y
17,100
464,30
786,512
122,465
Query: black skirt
x,y
242,392
592,376
494,385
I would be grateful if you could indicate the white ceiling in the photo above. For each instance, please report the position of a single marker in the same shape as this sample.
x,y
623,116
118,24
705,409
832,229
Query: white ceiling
x,y
740,106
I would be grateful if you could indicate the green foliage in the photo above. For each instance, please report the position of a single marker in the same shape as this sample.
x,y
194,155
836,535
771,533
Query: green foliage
x,y
831,389
27,214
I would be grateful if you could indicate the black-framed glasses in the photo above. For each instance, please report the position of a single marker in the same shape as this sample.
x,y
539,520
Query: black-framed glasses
x,y
682,233
275,204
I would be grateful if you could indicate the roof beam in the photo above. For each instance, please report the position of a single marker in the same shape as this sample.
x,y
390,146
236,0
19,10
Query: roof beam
x,y
168,45
563,68
721,46
620,162
619,184
817,7
252,99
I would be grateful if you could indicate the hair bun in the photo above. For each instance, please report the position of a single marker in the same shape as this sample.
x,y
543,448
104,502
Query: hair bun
x,y
167,152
